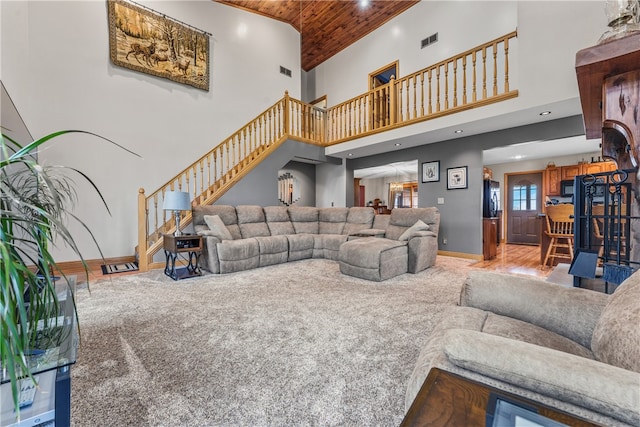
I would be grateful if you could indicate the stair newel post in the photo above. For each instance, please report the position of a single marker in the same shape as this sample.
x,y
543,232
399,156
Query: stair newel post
x,y
143,259
392,100
287,102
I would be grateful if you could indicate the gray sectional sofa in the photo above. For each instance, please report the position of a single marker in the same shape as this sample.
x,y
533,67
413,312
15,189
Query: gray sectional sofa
x,y
247,236
572,349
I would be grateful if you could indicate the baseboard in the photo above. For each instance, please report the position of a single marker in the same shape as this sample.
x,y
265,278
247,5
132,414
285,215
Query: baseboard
x,y
93,264
477,257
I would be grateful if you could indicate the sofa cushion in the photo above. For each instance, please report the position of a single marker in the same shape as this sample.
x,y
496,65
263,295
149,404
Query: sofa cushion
x,y
522,331
411,231
217,227
238,255
358,219
616,337
226,213
332,220
300,246
570,312
273,250
372,258
402,219
304,219
278,220
587,383
327,246
381,221
251,221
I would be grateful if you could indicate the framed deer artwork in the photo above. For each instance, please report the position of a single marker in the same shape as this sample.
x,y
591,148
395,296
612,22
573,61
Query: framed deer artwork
x,y
147,41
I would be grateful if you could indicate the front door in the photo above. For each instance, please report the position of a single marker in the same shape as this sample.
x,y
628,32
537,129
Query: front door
x,y
524,203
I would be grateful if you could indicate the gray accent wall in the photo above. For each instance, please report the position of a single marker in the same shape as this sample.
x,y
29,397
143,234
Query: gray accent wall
x,y
461,213
260,186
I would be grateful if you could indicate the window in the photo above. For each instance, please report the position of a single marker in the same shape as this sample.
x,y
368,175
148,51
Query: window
x,y
525,196
407,198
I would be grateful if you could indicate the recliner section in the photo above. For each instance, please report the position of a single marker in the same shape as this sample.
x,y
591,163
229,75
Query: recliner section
x,y
270,235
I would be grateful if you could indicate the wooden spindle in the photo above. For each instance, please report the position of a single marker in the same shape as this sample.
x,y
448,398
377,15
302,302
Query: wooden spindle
x,y
464,80
415,98
506,65
421,94
429,107
438,89
455,83
446,86
474,96
484,73
495,69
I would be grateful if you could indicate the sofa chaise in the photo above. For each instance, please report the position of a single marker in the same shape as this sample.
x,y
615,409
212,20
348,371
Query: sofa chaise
x,y
248,236
572,349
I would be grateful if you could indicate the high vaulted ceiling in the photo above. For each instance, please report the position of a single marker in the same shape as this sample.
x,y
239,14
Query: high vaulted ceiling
x,y
326,26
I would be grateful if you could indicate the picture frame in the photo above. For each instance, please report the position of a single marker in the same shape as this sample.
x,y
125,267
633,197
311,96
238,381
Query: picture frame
x,y
150,42
457,178
431,171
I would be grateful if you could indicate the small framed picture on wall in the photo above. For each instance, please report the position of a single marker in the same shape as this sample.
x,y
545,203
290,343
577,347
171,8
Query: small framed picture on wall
x,y
457,178
431,171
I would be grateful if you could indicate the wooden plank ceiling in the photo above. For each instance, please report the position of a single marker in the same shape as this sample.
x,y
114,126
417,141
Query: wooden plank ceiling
x,y
326,26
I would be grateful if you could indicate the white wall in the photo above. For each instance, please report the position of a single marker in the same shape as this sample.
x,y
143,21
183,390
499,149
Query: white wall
x,y
542,60
56,67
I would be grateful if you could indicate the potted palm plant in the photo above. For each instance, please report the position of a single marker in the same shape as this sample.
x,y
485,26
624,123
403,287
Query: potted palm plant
x,y
35,204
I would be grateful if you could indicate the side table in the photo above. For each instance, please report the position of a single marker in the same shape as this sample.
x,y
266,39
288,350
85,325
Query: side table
x,y
447,399
179,246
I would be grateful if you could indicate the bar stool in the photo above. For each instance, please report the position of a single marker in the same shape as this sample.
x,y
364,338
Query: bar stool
x,y
560,230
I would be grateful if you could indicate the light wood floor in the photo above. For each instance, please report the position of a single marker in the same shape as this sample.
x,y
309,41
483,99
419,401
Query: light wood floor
x,y
519,259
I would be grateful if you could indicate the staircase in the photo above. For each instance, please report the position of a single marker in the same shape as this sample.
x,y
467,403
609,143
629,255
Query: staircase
x,y
455,84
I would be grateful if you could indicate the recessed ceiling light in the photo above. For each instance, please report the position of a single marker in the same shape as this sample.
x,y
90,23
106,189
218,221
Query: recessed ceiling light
x,y
545,113
458,131
518,157
364,3
350,154
397,144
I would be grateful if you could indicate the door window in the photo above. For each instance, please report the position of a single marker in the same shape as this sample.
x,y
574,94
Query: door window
x,y
524,196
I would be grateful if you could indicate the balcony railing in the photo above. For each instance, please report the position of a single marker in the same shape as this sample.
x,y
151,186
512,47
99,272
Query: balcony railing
x,y
474,78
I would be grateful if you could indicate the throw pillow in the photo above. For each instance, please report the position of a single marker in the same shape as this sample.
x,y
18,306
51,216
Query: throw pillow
x,y
217,227
411,231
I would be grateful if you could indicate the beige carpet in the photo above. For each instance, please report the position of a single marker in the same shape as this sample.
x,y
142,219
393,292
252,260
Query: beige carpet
x,y
293,344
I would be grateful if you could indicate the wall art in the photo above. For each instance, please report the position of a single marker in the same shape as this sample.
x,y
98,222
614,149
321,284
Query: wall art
x,y
147,41
431,171
457,178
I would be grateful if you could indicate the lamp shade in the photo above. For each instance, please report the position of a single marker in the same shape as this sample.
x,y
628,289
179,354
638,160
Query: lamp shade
x,y
176,201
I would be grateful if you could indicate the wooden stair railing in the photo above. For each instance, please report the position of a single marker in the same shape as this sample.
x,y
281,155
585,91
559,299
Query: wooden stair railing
x,y
474,78
209,177
456,84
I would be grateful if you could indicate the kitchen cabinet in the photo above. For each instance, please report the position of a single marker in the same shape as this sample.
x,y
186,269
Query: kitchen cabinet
x,y
554,174
571,171
489,238
552,178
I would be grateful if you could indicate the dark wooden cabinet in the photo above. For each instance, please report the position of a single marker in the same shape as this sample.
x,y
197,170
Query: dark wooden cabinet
x,y
489,238
447,399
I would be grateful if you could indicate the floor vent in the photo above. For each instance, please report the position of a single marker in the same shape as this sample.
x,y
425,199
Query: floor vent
x,y
429,40
285,71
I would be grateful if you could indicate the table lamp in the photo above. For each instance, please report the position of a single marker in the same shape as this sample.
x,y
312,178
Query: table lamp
x,y
176,201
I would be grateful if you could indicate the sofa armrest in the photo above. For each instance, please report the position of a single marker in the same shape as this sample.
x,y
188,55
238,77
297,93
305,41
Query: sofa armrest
x,y
587,383
570,312
209,257
423,250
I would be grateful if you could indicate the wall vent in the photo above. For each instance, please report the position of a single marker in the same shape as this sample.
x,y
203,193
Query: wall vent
x,y
285,71
429,40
